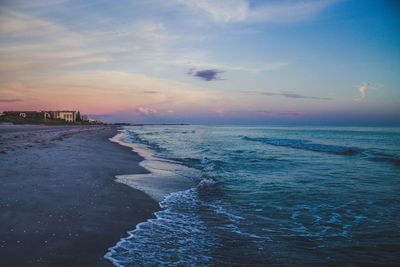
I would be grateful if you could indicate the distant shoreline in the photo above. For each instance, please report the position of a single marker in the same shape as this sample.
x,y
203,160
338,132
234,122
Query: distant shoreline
x,y
65,123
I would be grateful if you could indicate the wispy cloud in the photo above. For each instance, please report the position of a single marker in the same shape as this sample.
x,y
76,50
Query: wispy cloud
x,y
363,90
286,94
293,95
235,11
150,92
15,24
206,75
145,33
35,44
10,100
38,43
288,11
219,11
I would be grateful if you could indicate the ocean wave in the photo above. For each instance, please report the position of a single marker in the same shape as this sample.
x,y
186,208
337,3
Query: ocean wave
x,y
205,183
177,236
306,145
136,138
383,157
204,164
208,164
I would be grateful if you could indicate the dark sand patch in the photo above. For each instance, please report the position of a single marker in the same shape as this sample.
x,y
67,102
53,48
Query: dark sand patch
x,y
59,204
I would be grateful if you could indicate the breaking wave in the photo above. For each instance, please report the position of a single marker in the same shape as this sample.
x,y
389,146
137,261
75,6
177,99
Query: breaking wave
x,y
177,236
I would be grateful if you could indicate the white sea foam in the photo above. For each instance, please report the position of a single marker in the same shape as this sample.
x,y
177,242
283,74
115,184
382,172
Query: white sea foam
x,y
165,176
177,225
177,236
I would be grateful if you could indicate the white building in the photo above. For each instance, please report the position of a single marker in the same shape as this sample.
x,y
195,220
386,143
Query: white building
x,y
63,115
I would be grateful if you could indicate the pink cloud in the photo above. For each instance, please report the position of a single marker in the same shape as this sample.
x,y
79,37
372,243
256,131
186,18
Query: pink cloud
x,y
146,110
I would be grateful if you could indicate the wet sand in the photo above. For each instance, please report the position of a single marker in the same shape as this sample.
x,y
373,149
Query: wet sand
x,y
59,203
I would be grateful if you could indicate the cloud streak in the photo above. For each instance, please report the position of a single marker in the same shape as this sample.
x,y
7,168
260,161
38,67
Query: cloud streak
x,y
10,100
286,94
205,75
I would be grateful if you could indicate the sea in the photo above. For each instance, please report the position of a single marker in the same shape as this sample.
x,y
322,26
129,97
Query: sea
x,y
264,195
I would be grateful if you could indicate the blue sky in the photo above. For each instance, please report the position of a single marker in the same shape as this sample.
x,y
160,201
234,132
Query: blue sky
x,y
281,62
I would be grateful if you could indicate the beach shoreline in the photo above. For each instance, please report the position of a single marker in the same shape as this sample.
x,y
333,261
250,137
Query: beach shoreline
x,y
59,202
164,176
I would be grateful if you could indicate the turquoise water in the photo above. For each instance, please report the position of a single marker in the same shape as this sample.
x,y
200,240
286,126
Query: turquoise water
x,y
271,195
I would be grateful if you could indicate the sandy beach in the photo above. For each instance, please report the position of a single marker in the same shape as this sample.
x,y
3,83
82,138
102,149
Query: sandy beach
x,y
59,203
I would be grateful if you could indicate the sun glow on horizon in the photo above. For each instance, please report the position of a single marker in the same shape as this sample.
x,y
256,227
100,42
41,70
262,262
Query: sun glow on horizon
x,y
203,61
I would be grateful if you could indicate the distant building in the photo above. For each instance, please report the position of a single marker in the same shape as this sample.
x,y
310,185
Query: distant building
x,y
66,115
63,115
84,118
49,115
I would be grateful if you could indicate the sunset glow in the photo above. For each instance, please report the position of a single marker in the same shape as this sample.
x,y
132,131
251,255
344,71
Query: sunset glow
x,y
280,62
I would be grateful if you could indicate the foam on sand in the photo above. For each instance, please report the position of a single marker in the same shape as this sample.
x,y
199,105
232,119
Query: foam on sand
x,y
165,176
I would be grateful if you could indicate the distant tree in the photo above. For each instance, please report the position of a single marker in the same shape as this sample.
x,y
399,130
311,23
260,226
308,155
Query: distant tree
x,y
78,116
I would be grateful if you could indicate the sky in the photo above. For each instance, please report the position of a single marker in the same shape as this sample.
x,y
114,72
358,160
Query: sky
x,y
310,62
